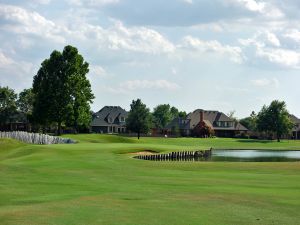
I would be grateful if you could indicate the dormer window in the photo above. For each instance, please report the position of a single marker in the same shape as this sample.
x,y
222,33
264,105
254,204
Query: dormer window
x,y
110,120
224,124
122,119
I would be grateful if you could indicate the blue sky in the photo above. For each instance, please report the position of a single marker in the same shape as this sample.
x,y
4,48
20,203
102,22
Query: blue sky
x,y
212,54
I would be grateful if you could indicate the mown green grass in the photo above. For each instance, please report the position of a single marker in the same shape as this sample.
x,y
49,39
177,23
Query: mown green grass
x,y
94,182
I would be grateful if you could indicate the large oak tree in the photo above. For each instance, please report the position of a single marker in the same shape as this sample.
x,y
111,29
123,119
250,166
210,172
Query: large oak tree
x,y
62,92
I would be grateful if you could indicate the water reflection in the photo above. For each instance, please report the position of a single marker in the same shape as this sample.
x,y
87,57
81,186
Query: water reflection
x,y
255,156
229,156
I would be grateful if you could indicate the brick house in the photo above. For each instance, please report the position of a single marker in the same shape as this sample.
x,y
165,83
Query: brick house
x,y
110,119
296,128
218,122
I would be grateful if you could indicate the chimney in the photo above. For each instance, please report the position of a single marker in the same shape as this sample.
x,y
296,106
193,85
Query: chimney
x,y
201,116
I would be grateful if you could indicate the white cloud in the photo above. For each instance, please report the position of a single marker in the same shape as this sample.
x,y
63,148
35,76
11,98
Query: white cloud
x,y
43,2
22,21
272,38
261,39
149,84
116,37
266,47
139,39
264,82
262,7
283,57
4,60
97,71
233,52
293,34
92,3
253,5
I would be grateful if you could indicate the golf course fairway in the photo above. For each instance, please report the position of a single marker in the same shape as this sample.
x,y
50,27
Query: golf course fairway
x,y
97,181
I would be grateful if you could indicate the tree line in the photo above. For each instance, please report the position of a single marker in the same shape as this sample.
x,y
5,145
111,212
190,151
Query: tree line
x,y
272,120
61,95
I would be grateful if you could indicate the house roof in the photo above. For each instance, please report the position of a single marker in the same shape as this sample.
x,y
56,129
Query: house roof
x,y
296,122
109,115
211,118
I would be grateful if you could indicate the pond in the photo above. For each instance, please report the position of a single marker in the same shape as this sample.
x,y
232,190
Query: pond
x,y
254,156
226,156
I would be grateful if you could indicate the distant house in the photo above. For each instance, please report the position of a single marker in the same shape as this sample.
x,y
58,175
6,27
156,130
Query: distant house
x,y
16,122
221,124
296,128
110,119
178,126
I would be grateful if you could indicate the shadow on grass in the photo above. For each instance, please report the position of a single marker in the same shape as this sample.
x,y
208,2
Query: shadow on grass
x,y
256,141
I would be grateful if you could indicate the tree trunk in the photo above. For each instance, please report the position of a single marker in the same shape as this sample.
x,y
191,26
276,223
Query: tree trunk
x,y
278,138
138,135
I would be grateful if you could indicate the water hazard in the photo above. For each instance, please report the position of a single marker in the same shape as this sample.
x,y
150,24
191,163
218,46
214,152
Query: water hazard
x,y
227,156
254,156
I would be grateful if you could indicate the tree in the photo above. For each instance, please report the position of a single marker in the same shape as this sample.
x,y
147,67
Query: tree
x,y
162,115
274,119
62,91
81,92
182,114
249,122
139,118
25,101
7,104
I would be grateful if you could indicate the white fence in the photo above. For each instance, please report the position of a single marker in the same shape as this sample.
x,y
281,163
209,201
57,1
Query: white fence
x,y
36,138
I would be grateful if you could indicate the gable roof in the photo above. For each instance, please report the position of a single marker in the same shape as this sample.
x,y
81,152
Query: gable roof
x,y
296,122
211,118
107,113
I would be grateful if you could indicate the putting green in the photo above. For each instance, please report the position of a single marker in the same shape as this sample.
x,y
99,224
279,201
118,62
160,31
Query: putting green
x,y
97,182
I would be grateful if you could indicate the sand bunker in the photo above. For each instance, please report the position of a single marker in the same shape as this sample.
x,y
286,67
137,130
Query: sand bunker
x,y
146,152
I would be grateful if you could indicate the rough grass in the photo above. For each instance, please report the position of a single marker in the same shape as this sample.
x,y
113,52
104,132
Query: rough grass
x,y
92,183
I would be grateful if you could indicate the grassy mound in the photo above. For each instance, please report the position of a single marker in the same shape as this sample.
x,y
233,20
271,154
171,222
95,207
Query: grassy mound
x,y
99,138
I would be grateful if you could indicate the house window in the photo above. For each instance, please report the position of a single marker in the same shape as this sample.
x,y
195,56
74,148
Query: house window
x,y
218,123
122,119
224,124
110,120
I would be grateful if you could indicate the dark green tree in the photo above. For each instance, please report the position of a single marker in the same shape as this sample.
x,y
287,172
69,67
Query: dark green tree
x,y
162,115
139,118
8,105
62,91
274,119
25,102
182,114
80,92
174,112
249,122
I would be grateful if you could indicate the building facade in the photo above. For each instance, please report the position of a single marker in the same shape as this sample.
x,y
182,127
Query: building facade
x,y
215,121
296,127
110,119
